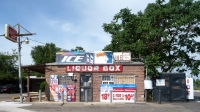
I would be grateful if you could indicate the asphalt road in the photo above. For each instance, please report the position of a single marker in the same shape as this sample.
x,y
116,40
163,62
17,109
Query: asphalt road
x,y
191,106
7,96
151,107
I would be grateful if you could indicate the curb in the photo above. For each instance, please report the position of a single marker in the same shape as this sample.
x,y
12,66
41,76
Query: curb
x,y
196,90
92,103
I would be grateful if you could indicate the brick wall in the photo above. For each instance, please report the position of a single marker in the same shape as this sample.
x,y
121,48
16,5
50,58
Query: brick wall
x,y
137,70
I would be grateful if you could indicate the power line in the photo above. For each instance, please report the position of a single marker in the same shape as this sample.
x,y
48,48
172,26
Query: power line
x,y
34,40
37,41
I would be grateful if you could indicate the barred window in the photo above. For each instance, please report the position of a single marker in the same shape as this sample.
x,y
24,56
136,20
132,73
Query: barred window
x,y
118,79
107,79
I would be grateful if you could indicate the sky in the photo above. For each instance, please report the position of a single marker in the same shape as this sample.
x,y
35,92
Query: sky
x,y
66,23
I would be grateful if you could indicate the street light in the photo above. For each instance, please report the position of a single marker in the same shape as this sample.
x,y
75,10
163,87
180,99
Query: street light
x,y
19,60
14,35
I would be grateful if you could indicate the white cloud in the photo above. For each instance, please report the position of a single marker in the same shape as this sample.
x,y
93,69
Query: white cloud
x,y
67,27
52,23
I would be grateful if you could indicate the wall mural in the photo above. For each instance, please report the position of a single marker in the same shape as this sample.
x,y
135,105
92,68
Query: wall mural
x,y
56,90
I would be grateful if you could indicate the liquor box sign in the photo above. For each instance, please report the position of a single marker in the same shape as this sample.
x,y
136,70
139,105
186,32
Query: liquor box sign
x,y
94,68
122,56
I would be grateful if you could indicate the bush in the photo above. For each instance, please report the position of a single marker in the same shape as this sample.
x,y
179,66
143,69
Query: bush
x,y
42,86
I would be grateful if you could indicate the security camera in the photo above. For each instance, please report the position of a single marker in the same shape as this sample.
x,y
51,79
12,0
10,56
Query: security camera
x,y
26,41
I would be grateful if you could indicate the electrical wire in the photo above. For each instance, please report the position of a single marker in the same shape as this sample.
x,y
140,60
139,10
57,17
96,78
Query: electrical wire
x,y
37,41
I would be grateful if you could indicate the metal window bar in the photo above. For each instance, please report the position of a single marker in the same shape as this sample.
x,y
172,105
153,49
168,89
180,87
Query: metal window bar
x,y
118,79
64,79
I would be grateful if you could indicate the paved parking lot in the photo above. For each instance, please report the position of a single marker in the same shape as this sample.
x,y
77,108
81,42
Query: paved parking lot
x,y
89,107
7,96
191,106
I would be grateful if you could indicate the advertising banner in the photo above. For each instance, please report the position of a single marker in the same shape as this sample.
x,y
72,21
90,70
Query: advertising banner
x,y
62,87
105,92
103,57
90,58
190,88
78,57
71,93
120,92
94,68
123,97
56,90
53,87
122,56
71,57
124,87
124,93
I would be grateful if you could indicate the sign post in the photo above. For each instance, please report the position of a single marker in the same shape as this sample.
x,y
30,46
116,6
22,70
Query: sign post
x,y
14,36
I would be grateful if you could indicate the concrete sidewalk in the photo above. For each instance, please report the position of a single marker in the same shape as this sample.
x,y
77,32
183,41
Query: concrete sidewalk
x,y
92,106
13,107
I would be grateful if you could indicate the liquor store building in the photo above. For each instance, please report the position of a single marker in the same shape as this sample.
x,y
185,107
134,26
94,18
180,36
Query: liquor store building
x,y
92,83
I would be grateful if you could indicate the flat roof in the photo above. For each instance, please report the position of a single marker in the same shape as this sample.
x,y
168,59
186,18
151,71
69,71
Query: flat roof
x,y
120,63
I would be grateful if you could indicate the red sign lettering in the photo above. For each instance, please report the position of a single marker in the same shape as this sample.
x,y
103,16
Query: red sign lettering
x,y
118,89
129,89
94,68
105,96
128,96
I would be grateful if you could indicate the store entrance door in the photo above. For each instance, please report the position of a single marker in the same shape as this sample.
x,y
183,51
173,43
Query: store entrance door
x,y
86,88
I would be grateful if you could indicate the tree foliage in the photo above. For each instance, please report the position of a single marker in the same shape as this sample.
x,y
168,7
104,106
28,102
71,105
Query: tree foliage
x,y
8,65
44,54
197,84
78,48
164,34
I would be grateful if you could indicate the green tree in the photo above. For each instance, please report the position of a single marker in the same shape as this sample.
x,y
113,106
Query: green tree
x,y
9,69
44,54
164,35
197,84
78,48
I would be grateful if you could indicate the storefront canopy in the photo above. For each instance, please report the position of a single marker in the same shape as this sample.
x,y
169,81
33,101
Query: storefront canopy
x,y
35,68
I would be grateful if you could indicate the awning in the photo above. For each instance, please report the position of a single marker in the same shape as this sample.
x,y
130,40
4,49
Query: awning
x,y
35,68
